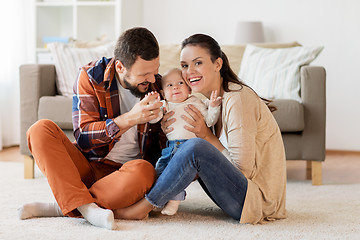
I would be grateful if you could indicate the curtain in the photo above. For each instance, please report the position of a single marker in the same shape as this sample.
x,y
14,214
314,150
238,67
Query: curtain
x,y
14,22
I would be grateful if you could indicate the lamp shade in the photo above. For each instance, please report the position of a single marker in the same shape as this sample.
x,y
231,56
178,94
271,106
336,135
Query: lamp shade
x,y
249,32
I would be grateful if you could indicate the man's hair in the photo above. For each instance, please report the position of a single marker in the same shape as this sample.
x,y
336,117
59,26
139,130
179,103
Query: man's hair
x,y
136,42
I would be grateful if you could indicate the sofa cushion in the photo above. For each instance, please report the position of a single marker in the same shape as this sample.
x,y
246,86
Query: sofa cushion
x,y
57,109
69,59
275,73
289,115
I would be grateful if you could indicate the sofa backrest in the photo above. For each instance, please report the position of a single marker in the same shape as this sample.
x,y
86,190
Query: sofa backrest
x,y
170,54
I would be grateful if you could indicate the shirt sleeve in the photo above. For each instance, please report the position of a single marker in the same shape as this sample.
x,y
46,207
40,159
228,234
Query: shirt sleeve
x,y
90,130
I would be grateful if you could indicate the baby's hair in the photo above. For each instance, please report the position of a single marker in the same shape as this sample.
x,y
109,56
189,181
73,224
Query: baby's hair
x,y
167,73
172,70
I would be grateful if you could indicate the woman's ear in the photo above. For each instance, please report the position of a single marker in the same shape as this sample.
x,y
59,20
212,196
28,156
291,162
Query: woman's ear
x,y
162,93
120,68
218,64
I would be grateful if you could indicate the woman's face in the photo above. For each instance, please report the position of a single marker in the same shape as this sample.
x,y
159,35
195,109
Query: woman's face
x,y
201,74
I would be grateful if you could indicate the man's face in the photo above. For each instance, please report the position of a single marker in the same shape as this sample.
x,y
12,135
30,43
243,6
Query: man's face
x,y
138,78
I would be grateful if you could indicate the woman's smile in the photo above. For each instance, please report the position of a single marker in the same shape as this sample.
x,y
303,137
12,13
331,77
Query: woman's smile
x,y
194,80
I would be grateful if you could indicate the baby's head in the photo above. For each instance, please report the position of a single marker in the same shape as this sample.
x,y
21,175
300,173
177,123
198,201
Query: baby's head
x,y
174,86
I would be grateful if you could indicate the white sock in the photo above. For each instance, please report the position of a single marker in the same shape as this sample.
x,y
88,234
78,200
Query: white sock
x,y
171,207
98,216
38,209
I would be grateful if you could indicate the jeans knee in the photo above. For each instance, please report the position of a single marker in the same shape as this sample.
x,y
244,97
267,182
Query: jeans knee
x,y
196,145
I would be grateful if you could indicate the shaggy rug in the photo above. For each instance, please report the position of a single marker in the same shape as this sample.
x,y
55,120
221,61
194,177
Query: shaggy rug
x,y
314,212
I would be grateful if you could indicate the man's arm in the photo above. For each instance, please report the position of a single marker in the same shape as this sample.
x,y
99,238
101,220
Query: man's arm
x,y
90,130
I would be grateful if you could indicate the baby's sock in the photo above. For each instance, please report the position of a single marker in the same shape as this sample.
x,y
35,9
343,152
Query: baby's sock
x,y
171,207
38,209
98,216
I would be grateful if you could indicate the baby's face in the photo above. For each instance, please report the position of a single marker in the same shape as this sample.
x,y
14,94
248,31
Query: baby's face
x,y
175,89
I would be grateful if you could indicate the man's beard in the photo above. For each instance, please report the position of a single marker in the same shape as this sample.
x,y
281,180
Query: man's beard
x,y
134,90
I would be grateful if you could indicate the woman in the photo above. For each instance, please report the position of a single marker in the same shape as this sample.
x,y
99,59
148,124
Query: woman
x,y
250,183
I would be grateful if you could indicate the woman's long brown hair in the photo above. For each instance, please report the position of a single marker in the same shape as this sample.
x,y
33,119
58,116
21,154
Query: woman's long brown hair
x,y
228,75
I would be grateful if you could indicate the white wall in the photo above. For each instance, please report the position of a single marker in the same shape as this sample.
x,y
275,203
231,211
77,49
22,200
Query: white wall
x,y
335,24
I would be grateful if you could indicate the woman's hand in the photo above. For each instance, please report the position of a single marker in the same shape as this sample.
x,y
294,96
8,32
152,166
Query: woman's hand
x,y
197,122
166,122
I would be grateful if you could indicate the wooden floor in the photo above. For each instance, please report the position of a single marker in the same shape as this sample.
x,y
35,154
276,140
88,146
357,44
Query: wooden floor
x,y
339,167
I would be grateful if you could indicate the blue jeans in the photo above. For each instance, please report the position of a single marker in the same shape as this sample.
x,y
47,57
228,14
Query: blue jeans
x,y
166,154
219,178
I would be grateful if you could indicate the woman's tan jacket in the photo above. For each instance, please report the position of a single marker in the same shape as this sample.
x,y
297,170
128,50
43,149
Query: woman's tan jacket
x,y
256,147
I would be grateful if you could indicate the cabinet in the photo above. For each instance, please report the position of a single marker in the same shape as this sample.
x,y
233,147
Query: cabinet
x,y
61,20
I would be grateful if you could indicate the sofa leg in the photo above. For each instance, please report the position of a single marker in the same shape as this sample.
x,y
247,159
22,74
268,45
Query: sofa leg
x,y
308,170
28,167
316,172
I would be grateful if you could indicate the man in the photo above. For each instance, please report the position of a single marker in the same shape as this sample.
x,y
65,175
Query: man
x,y
105,169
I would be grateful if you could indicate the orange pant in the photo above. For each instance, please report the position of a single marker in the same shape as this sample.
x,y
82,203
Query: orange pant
x,y
75,181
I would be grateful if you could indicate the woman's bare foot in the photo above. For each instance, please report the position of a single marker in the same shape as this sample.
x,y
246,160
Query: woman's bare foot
x,y
137,211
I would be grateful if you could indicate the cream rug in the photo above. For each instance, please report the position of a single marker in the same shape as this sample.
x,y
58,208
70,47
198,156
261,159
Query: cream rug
x,y
322,212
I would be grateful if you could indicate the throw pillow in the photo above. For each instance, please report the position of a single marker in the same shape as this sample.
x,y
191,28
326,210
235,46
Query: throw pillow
x,y
275,73
169,57
68,61
235,52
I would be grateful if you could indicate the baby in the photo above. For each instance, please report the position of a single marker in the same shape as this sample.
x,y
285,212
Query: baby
x,y
177,96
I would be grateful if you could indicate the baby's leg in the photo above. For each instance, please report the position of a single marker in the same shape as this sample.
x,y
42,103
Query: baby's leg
x,y
172,206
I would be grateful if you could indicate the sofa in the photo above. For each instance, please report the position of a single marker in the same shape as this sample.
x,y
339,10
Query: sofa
x,y
302,123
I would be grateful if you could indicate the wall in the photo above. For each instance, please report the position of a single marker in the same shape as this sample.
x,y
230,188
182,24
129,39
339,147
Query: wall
x,y
335,24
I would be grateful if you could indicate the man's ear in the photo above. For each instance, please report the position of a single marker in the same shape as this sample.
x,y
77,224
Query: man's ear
x,y
120,68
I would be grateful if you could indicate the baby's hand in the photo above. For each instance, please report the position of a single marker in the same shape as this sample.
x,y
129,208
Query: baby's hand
x,y
215,100
156,99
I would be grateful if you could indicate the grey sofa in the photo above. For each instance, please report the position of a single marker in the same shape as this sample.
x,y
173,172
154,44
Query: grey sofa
x,y
302,124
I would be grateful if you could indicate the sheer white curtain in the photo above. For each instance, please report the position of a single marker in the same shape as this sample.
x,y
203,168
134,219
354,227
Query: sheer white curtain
x,y
13,23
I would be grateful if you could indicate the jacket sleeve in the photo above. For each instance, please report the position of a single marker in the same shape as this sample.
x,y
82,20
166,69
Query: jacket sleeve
x,y
240,123
90,130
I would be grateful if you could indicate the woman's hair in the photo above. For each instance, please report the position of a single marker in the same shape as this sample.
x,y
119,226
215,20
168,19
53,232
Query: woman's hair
x,y
136,42
213,47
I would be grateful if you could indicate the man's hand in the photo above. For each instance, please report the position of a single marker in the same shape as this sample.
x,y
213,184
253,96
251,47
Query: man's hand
x,y
144,111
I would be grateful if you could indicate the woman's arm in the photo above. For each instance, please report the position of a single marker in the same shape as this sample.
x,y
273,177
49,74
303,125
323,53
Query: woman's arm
x,y
241,115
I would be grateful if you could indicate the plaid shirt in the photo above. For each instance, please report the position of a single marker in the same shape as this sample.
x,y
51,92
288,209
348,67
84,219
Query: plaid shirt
x,y
96,104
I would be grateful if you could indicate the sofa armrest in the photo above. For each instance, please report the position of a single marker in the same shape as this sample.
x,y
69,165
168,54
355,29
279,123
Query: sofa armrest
x,y
36,80
313,96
